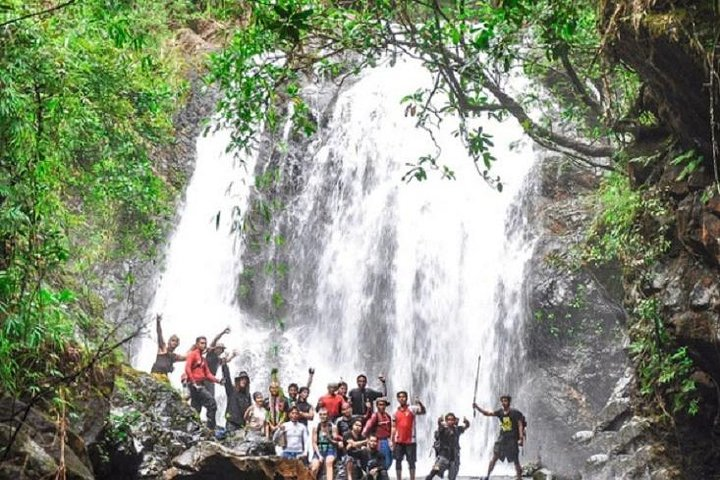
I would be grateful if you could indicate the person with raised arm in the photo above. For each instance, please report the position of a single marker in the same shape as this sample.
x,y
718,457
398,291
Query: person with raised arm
x,y
362,397
403,434
511,437
166,356
447,446
307,412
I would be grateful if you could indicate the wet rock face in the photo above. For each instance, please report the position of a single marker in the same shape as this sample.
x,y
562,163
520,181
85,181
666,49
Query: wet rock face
x,y
148,425
35,450
575,335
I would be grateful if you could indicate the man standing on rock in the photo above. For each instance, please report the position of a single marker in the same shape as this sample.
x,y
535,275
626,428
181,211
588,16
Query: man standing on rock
x,y
238,399
403,434
512,434
166,355
197,373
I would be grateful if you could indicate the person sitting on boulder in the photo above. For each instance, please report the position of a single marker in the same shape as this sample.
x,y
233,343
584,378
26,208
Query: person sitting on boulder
x,y
324,442
197,373
166,355
255,414
372,461
276,417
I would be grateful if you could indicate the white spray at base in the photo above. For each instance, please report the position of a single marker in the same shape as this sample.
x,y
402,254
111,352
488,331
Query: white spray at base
x,y
414,280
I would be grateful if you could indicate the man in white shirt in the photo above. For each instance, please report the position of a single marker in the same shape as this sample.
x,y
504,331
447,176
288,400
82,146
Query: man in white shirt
x,y
295,435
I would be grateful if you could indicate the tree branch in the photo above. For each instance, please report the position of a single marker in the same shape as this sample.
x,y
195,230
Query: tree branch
x,y
37,14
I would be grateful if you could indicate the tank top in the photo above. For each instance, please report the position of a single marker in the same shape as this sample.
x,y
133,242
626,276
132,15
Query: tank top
x,y
257,419
164,363
323,437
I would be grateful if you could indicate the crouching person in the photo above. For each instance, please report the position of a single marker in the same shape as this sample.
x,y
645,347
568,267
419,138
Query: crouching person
x,y
372,461
293,436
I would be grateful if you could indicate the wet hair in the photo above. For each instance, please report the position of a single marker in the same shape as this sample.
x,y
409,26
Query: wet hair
x,y
450,415
362,375
401,392
292,385
503,397
303,389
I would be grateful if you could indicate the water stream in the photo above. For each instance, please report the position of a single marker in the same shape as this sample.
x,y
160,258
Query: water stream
x,y
414,280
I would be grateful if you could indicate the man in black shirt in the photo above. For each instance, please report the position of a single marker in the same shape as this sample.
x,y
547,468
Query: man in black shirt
x,y
362,398
447,446
372,462
512,434
238,399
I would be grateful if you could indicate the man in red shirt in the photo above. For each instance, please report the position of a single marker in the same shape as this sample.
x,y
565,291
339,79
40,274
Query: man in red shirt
x,y
331,402
197,373
403,434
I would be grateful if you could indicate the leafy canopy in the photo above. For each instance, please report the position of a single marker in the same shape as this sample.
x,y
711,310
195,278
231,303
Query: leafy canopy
x,y
470,47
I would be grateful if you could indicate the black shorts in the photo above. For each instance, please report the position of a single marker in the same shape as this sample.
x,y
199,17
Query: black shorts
x,y
507,450
407,450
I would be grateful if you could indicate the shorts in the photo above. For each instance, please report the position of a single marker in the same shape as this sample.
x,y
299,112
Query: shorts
x,y
507,450
407,450
291,455
324,453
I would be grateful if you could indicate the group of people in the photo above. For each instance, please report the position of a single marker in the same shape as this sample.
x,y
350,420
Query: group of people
x,y
354,432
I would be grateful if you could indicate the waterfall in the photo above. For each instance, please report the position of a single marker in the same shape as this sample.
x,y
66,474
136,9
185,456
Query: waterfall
x,y
414,280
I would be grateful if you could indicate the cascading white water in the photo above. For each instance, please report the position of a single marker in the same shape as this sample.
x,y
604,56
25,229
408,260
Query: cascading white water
x,y
414,280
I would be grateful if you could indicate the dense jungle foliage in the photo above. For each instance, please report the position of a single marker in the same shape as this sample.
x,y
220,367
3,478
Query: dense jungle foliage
x,y
88,90
87,94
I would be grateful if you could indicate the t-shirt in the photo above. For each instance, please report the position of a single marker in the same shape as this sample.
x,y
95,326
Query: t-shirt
x,y
332,404
380,424
509,423
359,397
447,441
350,436
405,424
164,362
297,437
304,407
